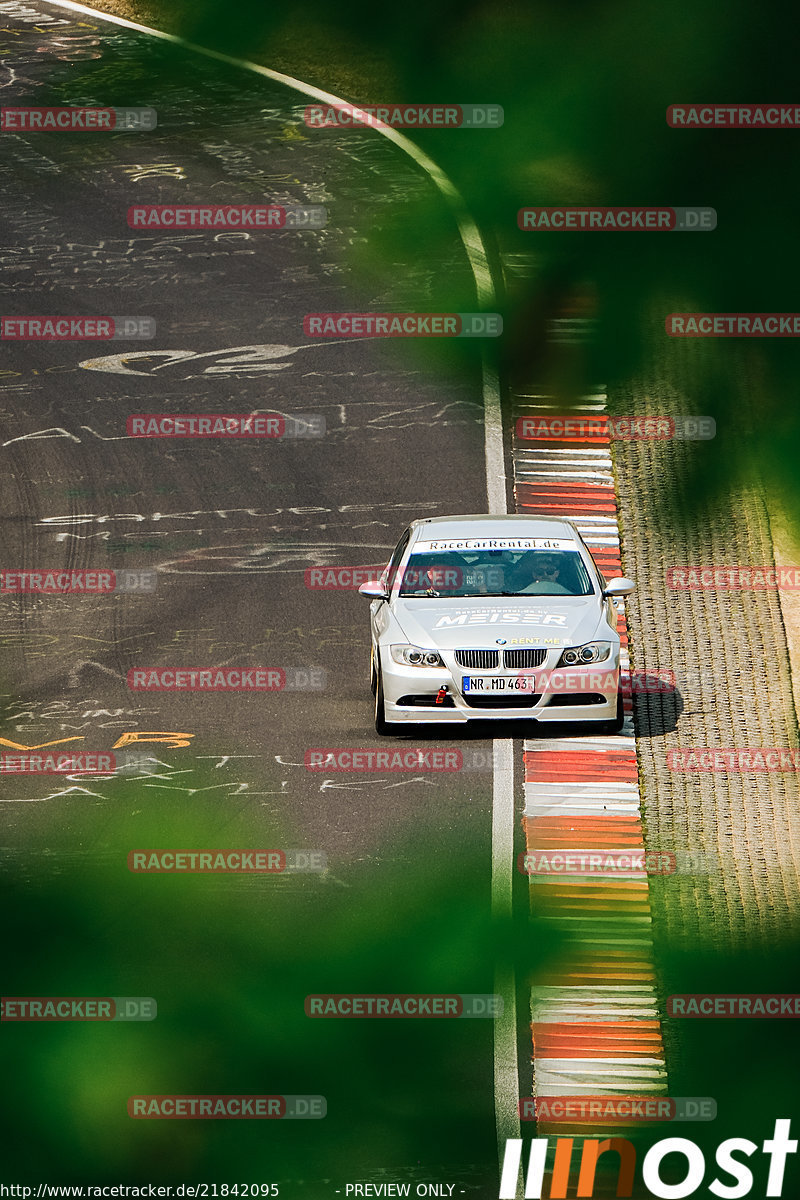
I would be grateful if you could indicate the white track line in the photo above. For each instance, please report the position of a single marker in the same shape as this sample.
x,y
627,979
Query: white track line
x,y
506,1071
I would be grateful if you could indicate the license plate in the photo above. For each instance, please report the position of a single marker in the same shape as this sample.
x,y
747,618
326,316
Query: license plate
x,y
490,685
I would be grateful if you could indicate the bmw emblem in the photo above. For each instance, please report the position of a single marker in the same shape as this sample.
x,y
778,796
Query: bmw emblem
x,y
501,641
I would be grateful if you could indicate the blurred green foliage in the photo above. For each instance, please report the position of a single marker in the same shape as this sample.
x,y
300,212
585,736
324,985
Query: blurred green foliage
x,y
585,87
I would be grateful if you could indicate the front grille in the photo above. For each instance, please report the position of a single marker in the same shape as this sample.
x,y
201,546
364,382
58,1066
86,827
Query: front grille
x,y
526,701
477,660
576,700
524,658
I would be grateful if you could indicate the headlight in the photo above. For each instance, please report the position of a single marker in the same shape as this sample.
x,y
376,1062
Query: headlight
x,y
592,652
415,656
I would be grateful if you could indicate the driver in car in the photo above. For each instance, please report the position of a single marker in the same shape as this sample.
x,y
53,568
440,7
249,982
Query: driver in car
x,y
541,575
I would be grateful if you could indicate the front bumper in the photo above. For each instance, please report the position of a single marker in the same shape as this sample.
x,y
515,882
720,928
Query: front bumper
x,y
584,693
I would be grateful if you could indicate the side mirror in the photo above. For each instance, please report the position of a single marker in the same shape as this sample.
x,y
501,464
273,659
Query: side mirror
x,y
619,587
374,590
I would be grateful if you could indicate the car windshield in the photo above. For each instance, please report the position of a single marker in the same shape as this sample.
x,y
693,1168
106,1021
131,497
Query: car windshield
x,y
527,572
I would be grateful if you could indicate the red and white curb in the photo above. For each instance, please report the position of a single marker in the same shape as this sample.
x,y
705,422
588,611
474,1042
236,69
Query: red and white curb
x,y
595,1022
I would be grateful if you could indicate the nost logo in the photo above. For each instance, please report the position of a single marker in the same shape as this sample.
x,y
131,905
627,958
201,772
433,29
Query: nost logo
x,y
686,1176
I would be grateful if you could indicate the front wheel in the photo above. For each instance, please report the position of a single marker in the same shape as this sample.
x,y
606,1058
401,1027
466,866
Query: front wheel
x,y
382,726
615,725
373,677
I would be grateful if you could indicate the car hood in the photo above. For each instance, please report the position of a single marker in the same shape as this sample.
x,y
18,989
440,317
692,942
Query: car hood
x,y
479,623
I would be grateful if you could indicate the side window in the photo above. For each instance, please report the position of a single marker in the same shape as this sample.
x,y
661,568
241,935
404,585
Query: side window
x,y
601,579
394,562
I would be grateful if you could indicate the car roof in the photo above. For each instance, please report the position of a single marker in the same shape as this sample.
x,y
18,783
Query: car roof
x,y
489,526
